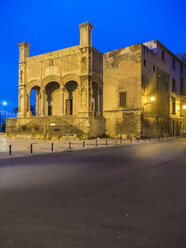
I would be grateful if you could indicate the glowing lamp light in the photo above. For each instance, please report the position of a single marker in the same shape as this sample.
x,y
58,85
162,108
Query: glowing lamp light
x,y
4,103
152,98
177,108
184,107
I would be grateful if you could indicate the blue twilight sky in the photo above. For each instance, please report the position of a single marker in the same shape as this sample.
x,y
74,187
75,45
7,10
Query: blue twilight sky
x,y
52,25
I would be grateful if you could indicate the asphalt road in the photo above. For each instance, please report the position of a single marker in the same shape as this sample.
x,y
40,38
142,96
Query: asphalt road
x,y
131,196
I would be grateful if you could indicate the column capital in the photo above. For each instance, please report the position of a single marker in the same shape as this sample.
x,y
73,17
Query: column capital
x,y
42,92
28,93
62,88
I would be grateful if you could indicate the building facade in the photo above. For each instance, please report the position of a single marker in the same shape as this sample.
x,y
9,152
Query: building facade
x,y
130,92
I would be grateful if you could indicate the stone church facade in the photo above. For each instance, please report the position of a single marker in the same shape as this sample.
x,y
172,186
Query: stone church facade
x,y
133,91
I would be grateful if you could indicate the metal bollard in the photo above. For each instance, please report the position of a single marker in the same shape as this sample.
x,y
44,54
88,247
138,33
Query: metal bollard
x,y
30,148
96,143
52,147
69,145
106,142
10,149
83,144
120,140
131,140
116,141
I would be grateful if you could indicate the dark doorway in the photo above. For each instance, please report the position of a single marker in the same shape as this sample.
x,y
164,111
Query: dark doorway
x,y
71,86
173,128
50,88
49,109
68,106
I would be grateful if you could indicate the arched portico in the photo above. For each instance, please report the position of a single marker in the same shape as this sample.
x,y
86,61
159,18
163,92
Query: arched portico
x,y
35,100
71,98
51,98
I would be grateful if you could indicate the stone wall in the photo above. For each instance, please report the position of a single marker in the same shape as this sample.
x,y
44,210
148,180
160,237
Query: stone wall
x,y
122,73
157,80
56,127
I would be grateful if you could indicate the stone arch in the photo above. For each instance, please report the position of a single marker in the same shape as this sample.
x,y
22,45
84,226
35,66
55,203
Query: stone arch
x,y
71,97
32,97
50,89
70,77
31,84
50,78
34,100
99,99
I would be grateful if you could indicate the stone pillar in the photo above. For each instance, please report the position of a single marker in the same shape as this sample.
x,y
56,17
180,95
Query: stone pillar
x,y
37,102
42,105
29,113
62,101
85,34
23,54
23,51
22,109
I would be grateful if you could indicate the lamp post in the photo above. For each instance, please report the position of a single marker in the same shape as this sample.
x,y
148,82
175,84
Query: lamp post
x,y
2,104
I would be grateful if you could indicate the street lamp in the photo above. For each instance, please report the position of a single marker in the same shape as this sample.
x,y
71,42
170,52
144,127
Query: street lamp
x,y
2,104
184,106
152,98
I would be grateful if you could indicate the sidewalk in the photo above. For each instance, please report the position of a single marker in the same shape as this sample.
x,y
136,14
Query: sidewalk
x,y
21,146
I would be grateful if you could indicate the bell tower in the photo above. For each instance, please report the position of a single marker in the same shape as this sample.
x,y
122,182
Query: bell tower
x,y
23,98
85,34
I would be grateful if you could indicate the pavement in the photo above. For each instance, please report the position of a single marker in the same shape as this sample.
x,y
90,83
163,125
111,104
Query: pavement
x,y
129,196
20,146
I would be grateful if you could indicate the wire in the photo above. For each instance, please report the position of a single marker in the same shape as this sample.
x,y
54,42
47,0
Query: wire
x,y
51,25
35,16
15,42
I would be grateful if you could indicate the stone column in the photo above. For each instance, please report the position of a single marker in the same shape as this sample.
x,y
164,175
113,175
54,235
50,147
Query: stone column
x,y
29,113
37,102
62,101
42,105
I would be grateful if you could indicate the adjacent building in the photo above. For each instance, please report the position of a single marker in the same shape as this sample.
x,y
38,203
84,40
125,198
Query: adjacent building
x,y
136,91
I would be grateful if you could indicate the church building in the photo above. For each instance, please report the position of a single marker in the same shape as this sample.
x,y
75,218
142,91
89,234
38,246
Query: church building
x,y
136,91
